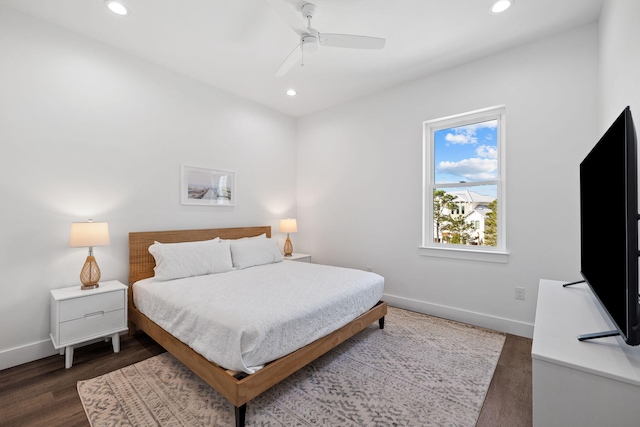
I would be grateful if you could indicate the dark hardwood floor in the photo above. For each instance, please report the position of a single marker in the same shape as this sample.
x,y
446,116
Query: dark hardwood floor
x,y
43,392
509,399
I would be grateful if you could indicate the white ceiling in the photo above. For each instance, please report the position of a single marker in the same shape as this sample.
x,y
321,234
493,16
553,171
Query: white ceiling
x,y
237,45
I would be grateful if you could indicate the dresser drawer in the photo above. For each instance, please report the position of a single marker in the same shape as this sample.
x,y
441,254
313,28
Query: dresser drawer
x,y
78,308
93,325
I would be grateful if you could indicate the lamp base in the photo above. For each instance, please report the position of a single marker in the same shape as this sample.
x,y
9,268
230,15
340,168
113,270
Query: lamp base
x,y
90,274
288,246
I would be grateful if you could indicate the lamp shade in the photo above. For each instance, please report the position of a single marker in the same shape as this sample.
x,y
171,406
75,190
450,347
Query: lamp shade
x,y
89,234
288,225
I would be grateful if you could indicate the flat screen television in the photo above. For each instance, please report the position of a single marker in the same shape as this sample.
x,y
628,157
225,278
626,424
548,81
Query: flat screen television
x,y
609,227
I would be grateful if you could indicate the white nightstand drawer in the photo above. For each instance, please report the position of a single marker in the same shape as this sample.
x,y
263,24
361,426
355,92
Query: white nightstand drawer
x,y
95,324
78,308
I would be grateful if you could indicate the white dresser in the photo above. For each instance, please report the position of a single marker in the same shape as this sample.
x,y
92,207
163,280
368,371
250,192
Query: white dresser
x,y
78,316
593,383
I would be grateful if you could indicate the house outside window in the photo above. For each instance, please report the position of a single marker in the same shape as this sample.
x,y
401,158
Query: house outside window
x,y
464,190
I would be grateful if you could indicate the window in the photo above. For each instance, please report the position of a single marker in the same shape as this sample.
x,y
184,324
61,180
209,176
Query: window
x,y
464,189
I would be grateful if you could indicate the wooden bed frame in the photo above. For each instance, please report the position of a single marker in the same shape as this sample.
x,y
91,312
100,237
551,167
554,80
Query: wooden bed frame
x,y
238,388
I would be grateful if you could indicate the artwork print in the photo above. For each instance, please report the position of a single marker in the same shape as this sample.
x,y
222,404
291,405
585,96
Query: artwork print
x,y
208,187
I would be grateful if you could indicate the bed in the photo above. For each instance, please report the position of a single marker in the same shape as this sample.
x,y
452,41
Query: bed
x,y
251,376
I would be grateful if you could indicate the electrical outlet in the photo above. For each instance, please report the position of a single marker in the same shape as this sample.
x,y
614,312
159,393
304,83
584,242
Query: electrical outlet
x,y
520,293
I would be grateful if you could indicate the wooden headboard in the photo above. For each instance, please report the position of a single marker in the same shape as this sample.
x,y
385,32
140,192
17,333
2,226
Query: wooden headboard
x,y
141,262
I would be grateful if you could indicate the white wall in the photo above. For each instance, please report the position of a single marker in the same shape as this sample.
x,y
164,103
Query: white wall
x,y
619,61
360,180
87,131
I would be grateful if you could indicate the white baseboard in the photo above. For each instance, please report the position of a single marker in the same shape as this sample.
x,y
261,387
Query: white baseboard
x,y
500,324
39,350
28,353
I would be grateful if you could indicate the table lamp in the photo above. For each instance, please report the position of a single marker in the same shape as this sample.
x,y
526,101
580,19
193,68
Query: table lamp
x,y
89,234
288,226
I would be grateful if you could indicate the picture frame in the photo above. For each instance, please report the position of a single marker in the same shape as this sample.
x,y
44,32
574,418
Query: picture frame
x,y
207,187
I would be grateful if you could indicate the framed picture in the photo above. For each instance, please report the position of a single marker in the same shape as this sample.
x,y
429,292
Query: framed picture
x,y
207,187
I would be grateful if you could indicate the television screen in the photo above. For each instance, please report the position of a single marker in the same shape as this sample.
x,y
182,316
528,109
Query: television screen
x,y
609,225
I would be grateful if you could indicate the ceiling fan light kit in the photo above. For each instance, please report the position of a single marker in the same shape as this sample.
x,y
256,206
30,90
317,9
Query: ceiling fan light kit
x,y
311,42
311,39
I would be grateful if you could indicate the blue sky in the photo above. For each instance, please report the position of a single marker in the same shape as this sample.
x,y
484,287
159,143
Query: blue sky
x,y
466,153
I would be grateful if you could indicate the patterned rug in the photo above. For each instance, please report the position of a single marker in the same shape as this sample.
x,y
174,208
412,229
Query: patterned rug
x,y
418,371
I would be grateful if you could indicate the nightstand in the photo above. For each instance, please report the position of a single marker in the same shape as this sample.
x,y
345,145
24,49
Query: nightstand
x,y
79,316
298,257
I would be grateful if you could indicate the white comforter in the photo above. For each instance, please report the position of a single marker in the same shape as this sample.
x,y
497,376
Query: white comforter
x,y
243,319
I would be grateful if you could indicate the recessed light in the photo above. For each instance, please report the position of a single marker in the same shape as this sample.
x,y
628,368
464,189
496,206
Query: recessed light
x,y
501,5
291,92
116,7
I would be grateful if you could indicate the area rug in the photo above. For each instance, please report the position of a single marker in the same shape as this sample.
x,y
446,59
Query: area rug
x,y
418,371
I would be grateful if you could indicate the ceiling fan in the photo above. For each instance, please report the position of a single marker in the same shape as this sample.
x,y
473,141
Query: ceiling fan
x,y
311,39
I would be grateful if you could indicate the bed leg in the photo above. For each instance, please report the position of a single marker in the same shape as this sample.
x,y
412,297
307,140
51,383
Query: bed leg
x,y
241,411
381,322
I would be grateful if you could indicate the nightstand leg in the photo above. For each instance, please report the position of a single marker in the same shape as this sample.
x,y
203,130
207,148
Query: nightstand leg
x,y
62,351
68,357
115,341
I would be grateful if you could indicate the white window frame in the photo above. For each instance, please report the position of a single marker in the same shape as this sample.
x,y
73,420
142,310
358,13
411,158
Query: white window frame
x,y
498,253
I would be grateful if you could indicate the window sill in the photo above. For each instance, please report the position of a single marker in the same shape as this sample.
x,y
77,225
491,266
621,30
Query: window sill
x,y
466,254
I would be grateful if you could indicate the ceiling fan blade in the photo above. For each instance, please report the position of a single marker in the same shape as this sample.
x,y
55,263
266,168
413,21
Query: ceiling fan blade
x,y
288,15
351,41
292,59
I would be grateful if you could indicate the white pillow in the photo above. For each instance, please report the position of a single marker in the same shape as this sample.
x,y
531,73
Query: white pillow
x,y
254,251
186,259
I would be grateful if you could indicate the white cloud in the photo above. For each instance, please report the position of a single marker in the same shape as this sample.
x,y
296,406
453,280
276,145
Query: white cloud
x,y
467,134
474,169
461,138
487,151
